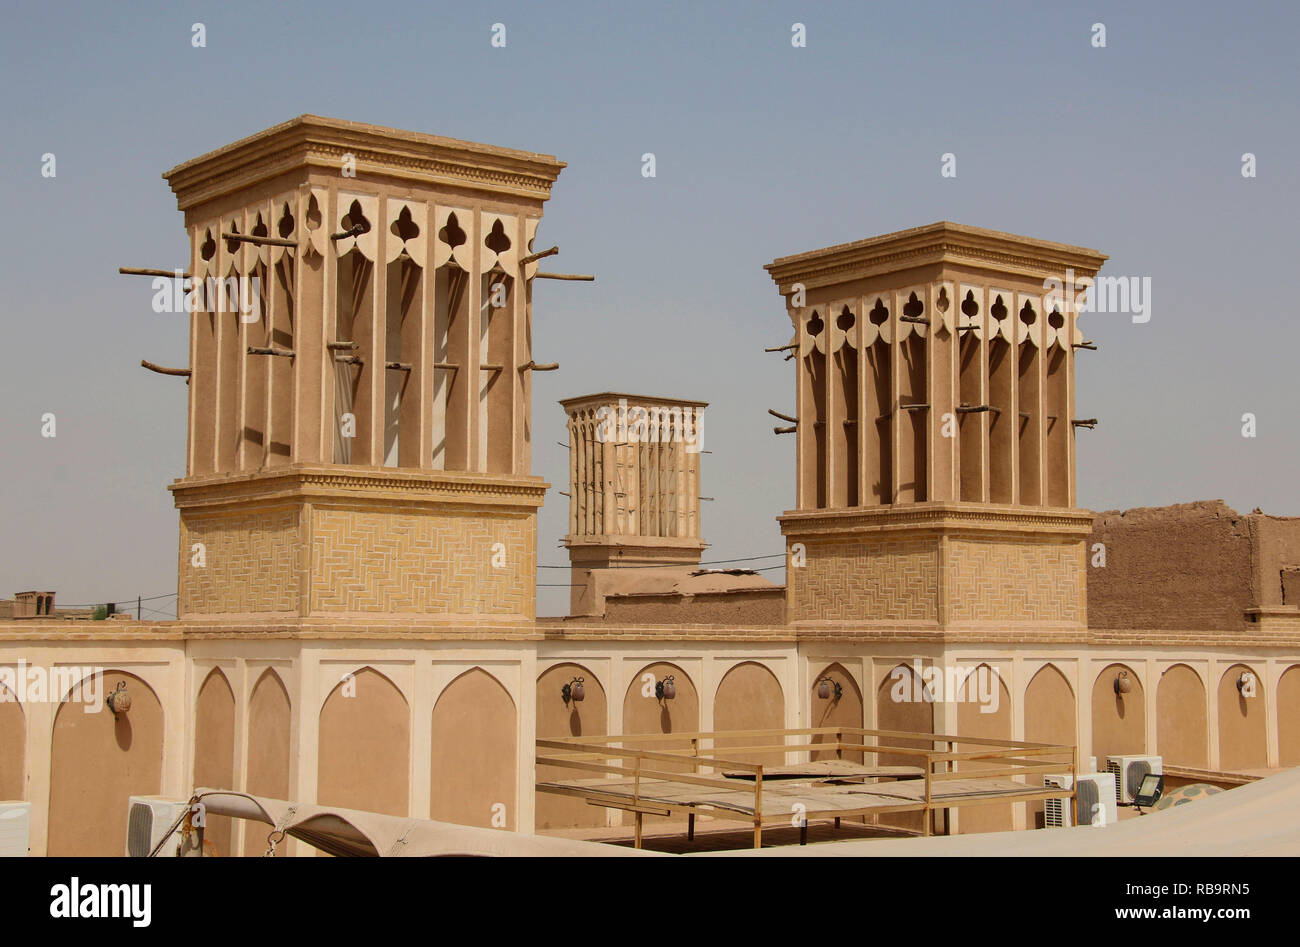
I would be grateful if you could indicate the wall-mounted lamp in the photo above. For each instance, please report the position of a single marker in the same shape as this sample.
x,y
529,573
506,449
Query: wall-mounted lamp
x,y
824,687
1123,684
573,691
665,689
1245,682
119,699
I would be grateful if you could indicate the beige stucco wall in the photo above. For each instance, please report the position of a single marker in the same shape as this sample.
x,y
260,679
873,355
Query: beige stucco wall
x,y
282,713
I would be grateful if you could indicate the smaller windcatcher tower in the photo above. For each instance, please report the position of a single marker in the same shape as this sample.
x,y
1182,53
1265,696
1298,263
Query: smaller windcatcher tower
x,y
634,486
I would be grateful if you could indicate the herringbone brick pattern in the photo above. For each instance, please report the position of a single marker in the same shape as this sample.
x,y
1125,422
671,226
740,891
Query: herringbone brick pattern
x,y
249,564
877,581
422,562
1001,581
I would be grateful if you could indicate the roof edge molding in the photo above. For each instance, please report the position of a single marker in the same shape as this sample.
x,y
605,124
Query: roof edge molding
x,y
313,141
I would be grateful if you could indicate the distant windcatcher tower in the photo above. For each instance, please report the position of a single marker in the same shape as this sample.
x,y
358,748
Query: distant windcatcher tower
x,y
935,429
359,436
634,484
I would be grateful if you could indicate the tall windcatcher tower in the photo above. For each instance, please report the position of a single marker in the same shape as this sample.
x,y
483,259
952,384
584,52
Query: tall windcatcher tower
x,y
936,430
360,376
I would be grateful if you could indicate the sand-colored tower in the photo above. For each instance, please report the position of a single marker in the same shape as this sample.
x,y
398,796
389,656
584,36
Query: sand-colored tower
x,y
936,431
359,434
634,485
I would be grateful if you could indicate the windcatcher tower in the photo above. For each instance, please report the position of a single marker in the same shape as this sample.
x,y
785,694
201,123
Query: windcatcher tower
x,y
634,487
936,432
359,441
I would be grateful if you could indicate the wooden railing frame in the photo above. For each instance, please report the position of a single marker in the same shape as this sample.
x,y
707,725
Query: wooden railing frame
x,y
611,756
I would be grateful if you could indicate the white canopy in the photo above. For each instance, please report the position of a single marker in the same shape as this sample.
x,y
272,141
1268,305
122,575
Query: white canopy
x,y
340,831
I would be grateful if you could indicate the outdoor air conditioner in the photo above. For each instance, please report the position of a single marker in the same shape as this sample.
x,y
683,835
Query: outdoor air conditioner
x,y
15,821
1129,771
147,819
1096,805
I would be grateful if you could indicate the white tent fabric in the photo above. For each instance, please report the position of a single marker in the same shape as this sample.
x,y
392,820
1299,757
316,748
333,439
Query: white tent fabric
x,y
1259,818
340,831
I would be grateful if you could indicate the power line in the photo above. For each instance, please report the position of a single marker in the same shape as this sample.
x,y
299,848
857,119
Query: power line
x,y
125,601
702,562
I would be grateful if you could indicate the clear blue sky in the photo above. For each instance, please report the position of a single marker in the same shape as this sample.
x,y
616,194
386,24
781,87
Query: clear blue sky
x,y
762,149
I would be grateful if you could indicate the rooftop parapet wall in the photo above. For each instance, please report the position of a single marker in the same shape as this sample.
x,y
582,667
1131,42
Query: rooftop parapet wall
x,y
1196,566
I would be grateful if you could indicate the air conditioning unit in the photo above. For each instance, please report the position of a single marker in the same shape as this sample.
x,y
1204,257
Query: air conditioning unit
x,y
1095,801
147,819
15,823
1128,771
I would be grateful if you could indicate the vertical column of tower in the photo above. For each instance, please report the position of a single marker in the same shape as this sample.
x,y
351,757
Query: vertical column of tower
x,y
693,483
376,329
943,481
317,282
811,408
250,433
896,368
281,295
972,394
453,238
1029,389
913,412
1004,421
229,356
1058,352
522,381
605,483
877,400
203,362
410,326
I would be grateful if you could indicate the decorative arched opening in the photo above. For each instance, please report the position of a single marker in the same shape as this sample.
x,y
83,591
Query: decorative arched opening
x,y
474,767
13,745
644,713
1051,716
1288,717
1119,716
98,760
214,751
1243,741
557,717
749,698
841,707
1182,733
363,758
984,711
903,702
269,713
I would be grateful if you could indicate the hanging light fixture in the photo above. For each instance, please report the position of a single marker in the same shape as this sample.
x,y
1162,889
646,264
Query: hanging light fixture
x,y
825,686
666,689
573,691
119,699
